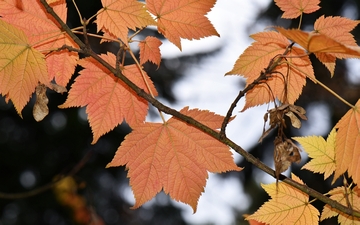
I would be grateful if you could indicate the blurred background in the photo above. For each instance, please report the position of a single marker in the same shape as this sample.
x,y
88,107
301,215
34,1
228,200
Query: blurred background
x,y
34,155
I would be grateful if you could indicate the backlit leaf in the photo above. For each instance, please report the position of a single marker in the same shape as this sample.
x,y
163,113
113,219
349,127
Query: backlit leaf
x,y
287,205
182,19
339,194
118,16
294,8
174,156
44,35
21,66
347,144
325,48
109,101
337,28
150,51
251,63
322,153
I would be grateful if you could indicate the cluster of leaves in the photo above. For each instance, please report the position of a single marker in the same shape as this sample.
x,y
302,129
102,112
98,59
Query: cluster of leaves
x,y
287,68
39,51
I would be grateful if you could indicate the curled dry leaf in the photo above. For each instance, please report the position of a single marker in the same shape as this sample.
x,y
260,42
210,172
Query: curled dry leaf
x,y
276,116
285,153
57,88
40,109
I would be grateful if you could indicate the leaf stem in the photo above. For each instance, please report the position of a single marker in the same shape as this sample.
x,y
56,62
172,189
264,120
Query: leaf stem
x,y
332,92
146,82
300,21
316,81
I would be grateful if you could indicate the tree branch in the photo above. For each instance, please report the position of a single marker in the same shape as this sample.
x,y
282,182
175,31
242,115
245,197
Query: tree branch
x,y
189,120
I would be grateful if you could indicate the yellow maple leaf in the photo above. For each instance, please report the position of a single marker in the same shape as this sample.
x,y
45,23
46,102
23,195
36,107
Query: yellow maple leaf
x,y
287,205
347,144
344,196
21,66
322,153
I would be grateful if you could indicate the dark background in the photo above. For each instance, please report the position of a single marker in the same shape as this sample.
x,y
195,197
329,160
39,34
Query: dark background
x,y
34,154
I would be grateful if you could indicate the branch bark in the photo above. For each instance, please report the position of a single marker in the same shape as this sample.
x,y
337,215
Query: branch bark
x,y
215,134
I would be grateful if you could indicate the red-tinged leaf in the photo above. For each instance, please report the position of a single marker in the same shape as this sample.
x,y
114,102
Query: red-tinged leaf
x,y
347,144
150,51
294,8
344,196
317,42
275,88
328,59
174,157
292,77
322,153
287,205
338,28
270,37
324,47
182,19
257,56
44,34
109,101
61,66
21,67
118,16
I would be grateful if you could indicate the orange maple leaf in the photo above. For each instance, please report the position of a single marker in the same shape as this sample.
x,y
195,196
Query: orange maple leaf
x,y
294,8
287,205
182,19
322,153
173,156
44,35
344,196
21,66
337,28
109,101
118,16
150,51
292,76
325,48
347,144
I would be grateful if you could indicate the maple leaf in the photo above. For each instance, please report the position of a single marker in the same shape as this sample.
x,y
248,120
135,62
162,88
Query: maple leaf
x,y
322,153
21,66
287,205
44,35
344,196
109,101
182,19
325,48
255,58
173,156
337,28
347,142
294,8
118,16
150,51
